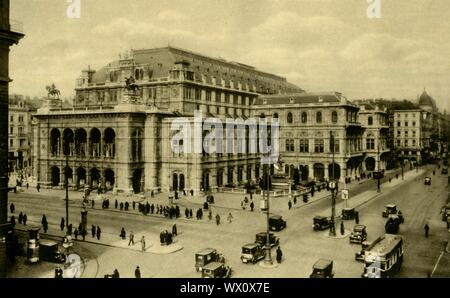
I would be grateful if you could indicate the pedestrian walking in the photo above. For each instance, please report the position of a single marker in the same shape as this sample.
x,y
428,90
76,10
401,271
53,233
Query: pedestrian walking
x,y
290,204
122,233
62,224
143,243
252,206
295,200
93,231
342,228
174,230
131,238
44,219
69,229
99,232
134,205
210,215
396,176
20,217
76,234
38,187
427,229
279,255
12,208
24,219
230,217
217,219
27,185
127,206
92,203
116,204
137,272
13,221
83,234
121,205
357,217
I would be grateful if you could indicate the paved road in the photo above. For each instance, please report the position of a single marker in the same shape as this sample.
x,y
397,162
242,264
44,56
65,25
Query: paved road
x,y
301,246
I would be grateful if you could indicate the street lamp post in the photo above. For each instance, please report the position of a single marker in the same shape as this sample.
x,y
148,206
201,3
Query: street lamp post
x,y
268,257
332,186
378,166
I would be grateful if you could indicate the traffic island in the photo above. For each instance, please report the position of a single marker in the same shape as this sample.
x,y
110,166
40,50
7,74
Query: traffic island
x,y
268,266
165,249
338,234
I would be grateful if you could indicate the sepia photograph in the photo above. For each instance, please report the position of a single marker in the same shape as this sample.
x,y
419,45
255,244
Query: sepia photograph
x,y
240,139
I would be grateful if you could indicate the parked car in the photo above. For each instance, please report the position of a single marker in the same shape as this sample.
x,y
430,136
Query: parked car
x,y
252,253
392,225
359,234
444,171
321,223
261,239
49,251
276,223
206,256
445,212
427,181
348,213
216,270
323,268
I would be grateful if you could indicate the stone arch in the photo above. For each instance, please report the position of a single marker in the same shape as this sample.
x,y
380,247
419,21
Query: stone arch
x,y
95,177
136,181
55,175
182,183
110,178
370,163
337,171
55,141
95,138
319,171
80,142
109,146
81,176
175,181
68,139
304,172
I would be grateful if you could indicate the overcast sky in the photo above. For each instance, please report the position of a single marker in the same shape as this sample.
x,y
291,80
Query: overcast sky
x,y
320,45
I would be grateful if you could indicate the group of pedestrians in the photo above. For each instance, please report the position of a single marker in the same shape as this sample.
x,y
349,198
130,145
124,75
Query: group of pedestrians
x,y
137,273
123,235
22,217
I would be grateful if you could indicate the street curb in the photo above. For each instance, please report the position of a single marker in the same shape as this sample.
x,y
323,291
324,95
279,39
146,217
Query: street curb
x,y
148,250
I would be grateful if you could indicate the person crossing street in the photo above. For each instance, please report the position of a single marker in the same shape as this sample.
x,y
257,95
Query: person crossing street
x,y
131,239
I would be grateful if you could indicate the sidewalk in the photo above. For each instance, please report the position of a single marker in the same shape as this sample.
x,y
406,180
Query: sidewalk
x,y
152,241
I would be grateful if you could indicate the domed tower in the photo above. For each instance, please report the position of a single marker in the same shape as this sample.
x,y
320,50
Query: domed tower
x,y
427,103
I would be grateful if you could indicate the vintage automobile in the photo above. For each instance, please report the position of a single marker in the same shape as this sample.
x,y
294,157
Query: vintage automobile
x,y
321,223
49,251
252,253
360,255
261,239
348,213
323,268
444,171
359,234
427,181
391,210
392,225
207,256
445,212
276,223
216,270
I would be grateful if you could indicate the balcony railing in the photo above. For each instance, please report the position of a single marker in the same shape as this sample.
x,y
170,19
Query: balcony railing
x,y
16,26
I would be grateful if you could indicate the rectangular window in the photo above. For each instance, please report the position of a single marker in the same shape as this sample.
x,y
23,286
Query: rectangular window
x,y
414,134
406,142
198,94
290,145
227,98
414,142
398,123
318,146
370,144
11,130
398,132
11,119
406,123
406,133
304,145
208,95
11,143
414,123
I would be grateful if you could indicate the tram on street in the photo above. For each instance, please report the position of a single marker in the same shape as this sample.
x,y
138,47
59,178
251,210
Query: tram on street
x,y
384,257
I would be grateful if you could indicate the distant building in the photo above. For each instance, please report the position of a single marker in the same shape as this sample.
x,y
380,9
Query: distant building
x,y
20,136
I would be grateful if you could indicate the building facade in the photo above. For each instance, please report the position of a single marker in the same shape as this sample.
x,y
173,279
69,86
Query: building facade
x,y
20,136
306,121
119,138
10,33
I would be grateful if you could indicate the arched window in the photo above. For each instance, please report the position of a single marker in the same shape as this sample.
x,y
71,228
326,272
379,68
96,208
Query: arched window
x,y
275,115
136,144
319,117
370,120
304,117
334,117
289,117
